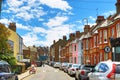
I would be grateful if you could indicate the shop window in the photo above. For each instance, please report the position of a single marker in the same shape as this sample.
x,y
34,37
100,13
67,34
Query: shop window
x,y
117,50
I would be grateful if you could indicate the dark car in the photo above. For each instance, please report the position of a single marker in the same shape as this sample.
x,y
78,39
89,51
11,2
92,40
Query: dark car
x,y
82,72
5,72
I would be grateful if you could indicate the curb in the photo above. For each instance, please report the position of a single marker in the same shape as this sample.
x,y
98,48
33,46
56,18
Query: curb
x,y
25,76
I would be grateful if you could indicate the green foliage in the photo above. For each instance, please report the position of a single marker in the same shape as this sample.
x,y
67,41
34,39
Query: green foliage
x,y
5,53
4,34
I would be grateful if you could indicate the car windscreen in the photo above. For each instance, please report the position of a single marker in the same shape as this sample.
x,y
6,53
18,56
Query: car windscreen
x,y
4,68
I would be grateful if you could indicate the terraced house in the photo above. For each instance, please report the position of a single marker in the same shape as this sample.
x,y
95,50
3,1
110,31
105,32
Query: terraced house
x,y
96,43
103,43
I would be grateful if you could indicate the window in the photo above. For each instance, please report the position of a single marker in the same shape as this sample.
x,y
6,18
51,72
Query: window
x,y
97,41
117,50
74,59
95,59
100,56
118,30
75,48
94,41
112,32
87,43
4,68
105,36
105,56
103,67
100,37
11,44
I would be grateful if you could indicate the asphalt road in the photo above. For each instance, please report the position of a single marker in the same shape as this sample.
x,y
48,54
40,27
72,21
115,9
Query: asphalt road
x,y
49,73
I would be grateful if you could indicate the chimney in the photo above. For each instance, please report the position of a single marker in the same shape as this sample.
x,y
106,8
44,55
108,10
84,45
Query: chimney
x,y
54,42
86,28
77,34
12,26
118,7
72,36
99,19
64,38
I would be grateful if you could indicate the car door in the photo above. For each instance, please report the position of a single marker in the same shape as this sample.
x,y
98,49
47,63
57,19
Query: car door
x,y
99,72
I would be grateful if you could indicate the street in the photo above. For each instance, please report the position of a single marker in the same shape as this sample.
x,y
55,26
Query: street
x,y
49,73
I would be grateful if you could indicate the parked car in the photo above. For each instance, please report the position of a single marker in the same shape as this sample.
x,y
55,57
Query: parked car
x,y
106,70
5,72
82,72
72,69
67,67
56,64
63,65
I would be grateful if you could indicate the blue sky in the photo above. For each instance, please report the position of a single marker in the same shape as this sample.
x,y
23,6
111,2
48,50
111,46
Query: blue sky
x,y
39,22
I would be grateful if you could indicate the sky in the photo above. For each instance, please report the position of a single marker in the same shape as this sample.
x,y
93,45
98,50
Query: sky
x,y
39,22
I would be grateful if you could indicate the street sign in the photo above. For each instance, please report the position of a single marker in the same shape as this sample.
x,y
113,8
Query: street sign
x,y
107,49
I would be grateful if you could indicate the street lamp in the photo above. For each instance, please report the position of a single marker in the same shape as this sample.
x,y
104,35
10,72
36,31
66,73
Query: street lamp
x,y
85,19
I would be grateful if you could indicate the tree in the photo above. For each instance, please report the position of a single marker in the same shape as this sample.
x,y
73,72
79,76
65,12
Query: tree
x,y
5,51
4,34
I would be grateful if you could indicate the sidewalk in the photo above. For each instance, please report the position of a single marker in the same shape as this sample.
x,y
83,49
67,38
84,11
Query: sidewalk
x,y
23,75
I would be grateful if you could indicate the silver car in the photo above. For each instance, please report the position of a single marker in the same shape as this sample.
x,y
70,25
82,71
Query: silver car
x,y
82,72
106,70
72,69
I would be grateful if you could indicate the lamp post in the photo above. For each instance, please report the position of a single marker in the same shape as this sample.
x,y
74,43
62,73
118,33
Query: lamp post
x,y
85,19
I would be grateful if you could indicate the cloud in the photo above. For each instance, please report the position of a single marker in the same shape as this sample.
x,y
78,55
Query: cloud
x,y
14,3
30,39
92,18
106,14
56,21
4,21
20,26
54,33
25,9
59,4
39,30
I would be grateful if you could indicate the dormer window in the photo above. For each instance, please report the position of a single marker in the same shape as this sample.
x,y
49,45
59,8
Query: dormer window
x,y
118,30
